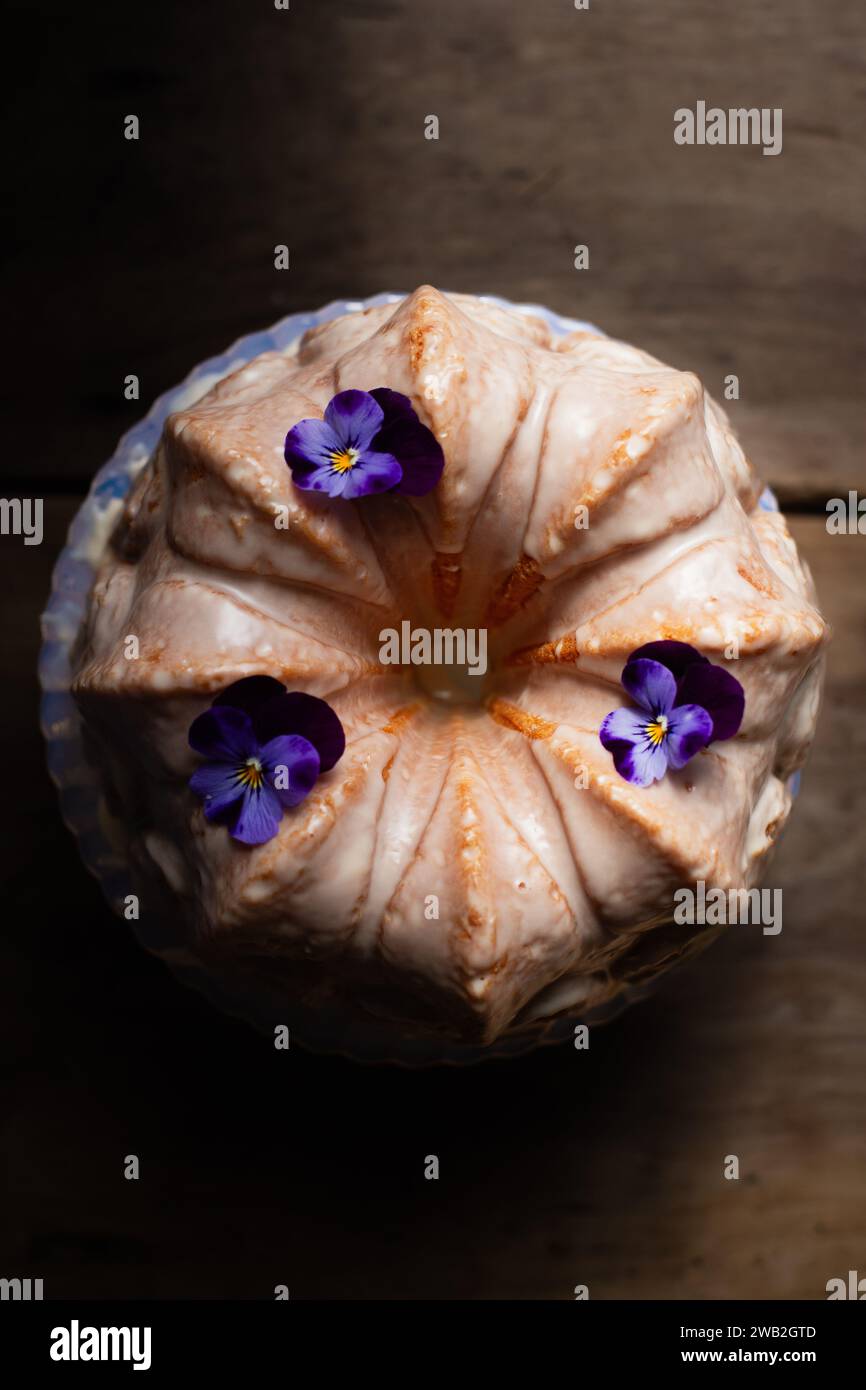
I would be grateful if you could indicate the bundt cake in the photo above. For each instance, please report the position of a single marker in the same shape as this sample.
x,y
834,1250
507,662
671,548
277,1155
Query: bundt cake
x,y
468,848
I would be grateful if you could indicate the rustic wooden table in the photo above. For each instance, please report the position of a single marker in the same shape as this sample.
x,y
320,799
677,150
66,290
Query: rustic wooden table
x,y
306,127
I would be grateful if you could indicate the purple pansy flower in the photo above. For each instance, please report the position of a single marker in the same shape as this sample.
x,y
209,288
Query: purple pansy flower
x,y
264,747
685,704
368,442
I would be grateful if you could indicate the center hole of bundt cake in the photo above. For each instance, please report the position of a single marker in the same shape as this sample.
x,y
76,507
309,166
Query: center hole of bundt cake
x,y
448,664
452,685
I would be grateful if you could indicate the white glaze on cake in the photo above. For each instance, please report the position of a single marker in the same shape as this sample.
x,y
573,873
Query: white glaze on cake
x,y
550,895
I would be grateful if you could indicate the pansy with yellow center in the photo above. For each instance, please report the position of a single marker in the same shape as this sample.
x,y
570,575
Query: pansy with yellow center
x,y
684,702
368,442
265,748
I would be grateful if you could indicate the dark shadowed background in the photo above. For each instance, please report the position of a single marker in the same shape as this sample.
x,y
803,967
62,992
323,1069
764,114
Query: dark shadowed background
x,y
306,127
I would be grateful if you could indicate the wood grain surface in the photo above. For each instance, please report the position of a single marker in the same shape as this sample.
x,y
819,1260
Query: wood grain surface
x,y
306,127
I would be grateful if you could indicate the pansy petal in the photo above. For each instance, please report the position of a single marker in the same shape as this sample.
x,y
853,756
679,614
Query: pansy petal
x,y
324,479
259,817
623,733
690,729
635,758
372,473
310,444
641,763
650,684
306,715
291,766
250,692
354,417
677,656
719,693
223,735
394,405
418,452
623,726
218,786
